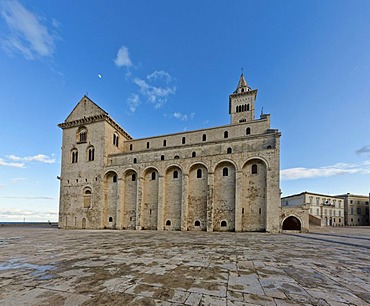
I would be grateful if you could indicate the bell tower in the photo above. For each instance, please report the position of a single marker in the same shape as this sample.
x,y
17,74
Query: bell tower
x,y
241,102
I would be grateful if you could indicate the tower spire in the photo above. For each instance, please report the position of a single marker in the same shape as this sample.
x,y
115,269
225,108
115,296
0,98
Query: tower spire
x,y
242,84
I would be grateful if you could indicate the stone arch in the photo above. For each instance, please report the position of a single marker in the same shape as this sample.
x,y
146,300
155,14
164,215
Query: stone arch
x,y
173,197
110,199
81,134
292,223
130,179
197,197
224,196
83,223
254,195
87,194
149,207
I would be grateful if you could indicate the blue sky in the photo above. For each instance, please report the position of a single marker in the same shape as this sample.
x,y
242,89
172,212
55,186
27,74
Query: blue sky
x,y
168,66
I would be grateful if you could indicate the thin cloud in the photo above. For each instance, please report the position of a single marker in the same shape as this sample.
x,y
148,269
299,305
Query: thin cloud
x,y
157,95
16,214
133,102
123,58
41,158
160,75
327,171
364,149
182,117
29,198
19,179
11,164
27,35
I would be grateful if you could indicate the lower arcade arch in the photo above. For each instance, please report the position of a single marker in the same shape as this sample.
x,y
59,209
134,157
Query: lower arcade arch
x,y
173,198
254,195
224,197
292,223
110,198
197,197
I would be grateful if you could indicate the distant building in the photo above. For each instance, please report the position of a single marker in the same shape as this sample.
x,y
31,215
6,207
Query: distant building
x,y
356,209
324,210
223,178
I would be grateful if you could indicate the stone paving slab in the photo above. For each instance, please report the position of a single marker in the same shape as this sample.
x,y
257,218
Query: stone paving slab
x,y
47,266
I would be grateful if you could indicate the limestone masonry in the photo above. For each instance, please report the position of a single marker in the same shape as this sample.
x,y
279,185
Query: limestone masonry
x,y
224,178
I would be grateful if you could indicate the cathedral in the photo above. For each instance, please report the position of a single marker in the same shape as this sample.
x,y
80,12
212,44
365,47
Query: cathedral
x,y
224,178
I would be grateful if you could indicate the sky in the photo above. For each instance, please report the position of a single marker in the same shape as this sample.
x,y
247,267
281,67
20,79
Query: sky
x,y
160,67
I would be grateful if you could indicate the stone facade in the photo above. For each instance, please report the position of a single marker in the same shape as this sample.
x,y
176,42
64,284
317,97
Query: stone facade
x,y
224,178
356,209
324,210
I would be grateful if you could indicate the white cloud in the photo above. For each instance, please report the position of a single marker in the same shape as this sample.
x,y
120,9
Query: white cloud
x,y
19,179
123,58
16,214
133,102
41,158
11,164
337,169
182,117
27,34
157,95
160,75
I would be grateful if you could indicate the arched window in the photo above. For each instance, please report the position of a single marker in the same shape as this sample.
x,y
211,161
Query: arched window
x,y
193,154
114,178
87,198
115,139
247,107
229,150
175,174
254,169
248,131
225,171
147,145
243,108
91,154
223,223
199,173
162,157
153,176
130,147
135,160
74,156
110,219
133,177
226,134
177,157
168,222
269,147
237,109
164,142
204,137
183,140
82,134
197,223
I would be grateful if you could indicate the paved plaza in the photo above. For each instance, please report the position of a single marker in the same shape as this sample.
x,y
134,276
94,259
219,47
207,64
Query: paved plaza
x,y
47,266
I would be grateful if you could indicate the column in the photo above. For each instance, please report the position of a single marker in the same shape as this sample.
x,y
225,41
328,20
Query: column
x,y
238,201
184,202
210,199
139,200
160,224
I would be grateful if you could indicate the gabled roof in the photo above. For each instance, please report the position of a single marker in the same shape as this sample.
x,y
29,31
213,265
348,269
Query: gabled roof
x,y
84,109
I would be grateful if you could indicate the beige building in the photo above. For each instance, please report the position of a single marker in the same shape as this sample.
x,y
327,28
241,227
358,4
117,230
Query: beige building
x,y
324,210
224,178
356,209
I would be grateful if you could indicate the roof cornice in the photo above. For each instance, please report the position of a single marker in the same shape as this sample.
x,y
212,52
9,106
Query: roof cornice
x,y
92,119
